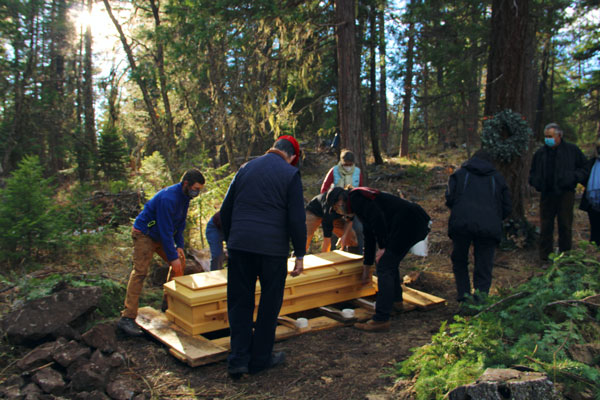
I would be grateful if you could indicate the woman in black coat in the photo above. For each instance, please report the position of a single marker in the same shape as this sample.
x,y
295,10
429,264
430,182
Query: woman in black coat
x,y
391,224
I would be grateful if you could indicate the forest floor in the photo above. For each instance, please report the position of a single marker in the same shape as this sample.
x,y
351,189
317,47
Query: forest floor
x,y
343,362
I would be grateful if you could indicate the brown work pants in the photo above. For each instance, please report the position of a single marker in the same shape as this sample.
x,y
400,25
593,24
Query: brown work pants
x,y
339,225
559,207
143,251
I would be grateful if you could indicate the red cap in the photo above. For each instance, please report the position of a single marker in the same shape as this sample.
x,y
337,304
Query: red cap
x,y
294,143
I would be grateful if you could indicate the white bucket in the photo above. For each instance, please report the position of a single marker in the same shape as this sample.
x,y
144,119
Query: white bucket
x,y
420,248
348,313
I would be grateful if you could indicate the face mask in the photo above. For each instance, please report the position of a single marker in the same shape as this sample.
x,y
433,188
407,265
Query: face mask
x,y
549,141
347,168
193,193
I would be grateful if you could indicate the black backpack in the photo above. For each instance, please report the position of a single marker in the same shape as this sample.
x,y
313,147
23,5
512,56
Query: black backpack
x,y
476,210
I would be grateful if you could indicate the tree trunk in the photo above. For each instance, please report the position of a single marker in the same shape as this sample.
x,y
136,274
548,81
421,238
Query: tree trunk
x,y
373,84
407,91
55,89
349,107
425,86
509,74
541,95
169,139
88,97
383,122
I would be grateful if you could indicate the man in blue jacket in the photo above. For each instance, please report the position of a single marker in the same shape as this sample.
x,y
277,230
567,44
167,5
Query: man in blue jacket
x,y
159,229
262,211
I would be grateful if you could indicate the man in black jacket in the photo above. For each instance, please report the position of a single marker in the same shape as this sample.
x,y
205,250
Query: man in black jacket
x,y
479,200
556,169
262,211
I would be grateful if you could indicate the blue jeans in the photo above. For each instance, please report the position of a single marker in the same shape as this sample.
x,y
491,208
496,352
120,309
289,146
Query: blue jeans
x,y
253,348
214,237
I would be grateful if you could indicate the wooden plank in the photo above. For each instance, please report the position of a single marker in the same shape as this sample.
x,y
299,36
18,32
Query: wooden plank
x,y
194,350
422,300
370,305
364,303
336,314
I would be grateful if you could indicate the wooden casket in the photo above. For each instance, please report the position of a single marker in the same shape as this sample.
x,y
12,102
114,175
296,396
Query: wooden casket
x,y
198,303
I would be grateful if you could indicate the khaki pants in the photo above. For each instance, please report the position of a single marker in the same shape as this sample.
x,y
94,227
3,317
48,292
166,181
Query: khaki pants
x,y
143,251
339,225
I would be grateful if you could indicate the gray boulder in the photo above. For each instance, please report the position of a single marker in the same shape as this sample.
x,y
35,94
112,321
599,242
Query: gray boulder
x,y
70,352
49,380
88,376
42,317
39,356
121,389
101,337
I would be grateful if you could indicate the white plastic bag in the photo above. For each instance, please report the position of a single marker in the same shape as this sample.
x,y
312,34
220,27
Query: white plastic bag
x,y
420,248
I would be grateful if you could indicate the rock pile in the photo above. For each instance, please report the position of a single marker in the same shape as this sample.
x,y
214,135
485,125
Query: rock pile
x,y
69,365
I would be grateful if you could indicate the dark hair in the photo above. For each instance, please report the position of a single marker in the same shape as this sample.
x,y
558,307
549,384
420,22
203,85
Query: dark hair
x,y
484,155
286,146
347,155
193,176
333,196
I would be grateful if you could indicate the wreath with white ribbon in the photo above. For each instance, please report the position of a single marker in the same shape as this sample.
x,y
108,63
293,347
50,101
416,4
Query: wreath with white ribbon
x,y
506,135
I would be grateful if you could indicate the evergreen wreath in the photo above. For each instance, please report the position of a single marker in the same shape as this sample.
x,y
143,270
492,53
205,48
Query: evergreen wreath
x,y
506,135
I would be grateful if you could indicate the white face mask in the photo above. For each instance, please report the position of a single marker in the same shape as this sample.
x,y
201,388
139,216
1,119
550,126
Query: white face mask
x,y
348,168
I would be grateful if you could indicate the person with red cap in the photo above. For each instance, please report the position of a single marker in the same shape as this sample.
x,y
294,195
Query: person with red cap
x,y
262,211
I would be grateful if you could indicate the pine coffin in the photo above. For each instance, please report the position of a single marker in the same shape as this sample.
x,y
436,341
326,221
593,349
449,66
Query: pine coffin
x,y
198,303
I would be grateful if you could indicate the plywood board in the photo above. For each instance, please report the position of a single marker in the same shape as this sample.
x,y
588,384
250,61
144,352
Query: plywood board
x,y
422,300
193,350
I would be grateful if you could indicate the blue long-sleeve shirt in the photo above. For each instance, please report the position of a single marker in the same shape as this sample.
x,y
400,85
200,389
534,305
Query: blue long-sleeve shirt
x,y
163,219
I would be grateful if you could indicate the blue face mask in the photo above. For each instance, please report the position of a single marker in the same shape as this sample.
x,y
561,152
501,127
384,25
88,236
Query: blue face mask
x,y
549,141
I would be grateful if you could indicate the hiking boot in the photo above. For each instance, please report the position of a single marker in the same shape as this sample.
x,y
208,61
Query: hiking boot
x,y
374,326
398,307
277,358
129,326
237,372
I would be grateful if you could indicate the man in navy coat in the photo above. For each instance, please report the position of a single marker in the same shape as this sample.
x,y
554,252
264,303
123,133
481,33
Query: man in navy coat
x,y
262,211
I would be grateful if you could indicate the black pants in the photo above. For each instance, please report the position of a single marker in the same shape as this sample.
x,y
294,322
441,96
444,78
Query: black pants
x,y
484,262
594,217
253,348
388,284
560,207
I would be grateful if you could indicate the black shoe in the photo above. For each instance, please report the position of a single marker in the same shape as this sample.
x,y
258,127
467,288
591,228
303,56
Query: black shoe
x,y
129,326
237,372
276,359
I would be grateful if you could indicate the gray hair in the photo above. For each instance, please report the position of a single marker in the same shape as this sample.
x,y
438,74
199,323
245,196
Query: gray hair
x,y
554,126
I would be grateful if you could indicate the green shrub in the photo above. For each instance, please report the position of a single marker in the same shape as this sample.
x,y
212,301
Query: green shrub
x,y
153,175
112,153
28,218
534,327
